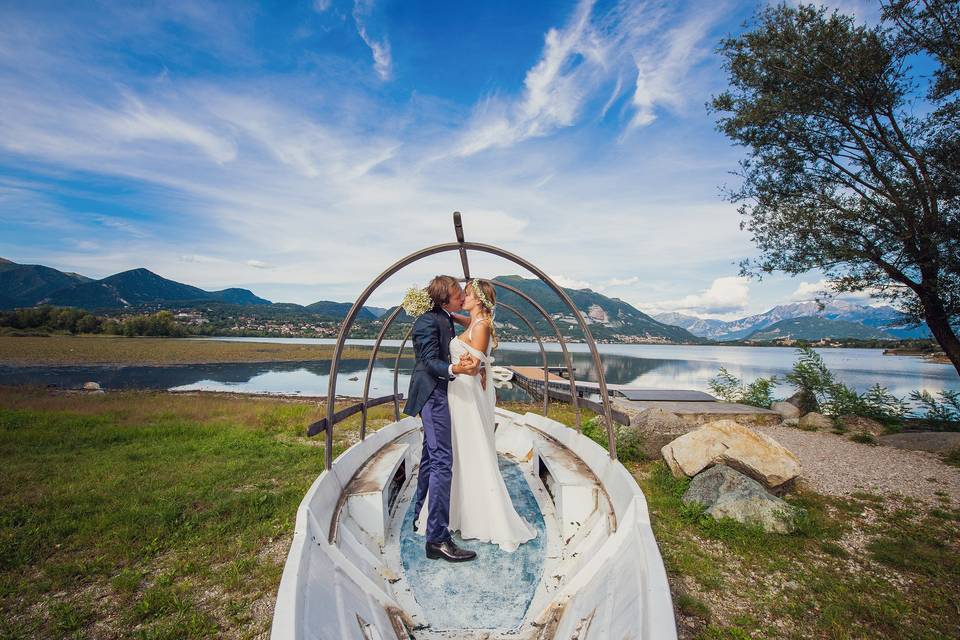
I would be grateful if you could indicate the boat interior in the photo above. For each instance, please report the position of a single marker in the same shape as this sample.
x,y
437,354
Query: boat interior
x,y
356,568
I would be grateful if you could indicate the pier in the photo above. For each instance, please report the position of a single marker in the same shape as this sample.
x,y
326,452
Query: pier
x,y
693,407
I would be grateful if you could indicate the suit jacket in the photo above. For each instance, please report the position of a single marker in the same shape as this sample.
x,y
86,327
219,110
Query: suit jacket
x,y
432,333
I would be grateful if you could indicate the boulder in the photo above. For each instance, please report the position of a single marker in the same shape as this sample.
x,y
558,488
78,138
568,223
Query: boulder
x,y
728,493
786,409
726,442
91,386
791,422
860,424
804,401
656,428
814,421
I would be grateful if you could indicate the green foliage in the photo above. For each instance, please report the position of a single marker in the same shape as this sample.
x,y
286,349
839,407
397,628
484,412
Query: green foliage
x,y
846,159
863,438
51,319
156,324
834,398
942,411
629,441
952,457
47,319
730,388
810,375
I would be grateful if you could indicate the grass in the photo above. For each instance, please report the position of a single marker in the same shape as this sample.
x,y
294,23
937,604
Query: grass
x,y
855,568
952,457
81,350
153,515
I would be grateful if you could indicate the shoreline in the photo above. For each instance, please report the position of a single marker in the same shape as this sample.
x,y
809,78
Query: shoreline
x,y
120,351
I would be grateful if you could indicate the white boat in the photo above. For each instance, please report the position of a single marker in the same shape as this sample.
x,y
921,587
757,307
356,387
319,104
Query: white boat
x,y
357,570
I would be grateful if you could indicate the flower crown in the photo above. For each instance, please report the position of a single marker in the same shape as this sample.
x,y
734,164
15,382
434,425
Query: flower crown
x,y
477,291
416,302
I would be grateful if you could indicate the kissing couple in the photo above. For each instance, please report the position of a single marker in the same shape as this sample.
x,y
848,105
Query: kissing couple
x,y
451,389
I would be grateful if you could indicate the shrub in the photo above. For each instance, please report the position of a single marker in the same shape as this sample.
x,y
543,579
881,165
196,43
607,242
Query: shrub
x,y
730,388
629,441
942,411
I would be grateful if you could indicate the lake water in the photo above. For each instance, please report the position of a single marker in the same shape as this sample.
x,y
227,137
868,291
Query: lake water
x,y
648,366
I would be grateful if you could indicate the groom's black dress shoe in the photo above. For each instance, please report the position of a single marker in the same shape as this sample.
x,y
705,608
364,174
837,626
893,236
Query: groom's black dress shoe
x,y
448,551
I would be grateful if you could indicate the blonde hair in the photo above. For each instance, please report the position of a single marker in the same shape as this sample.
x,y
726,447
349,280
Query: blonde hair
x,y
490,293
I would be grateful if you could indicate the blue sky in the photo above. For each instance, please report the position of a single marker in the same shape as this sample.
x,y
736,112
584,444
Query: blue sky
x,y
299,148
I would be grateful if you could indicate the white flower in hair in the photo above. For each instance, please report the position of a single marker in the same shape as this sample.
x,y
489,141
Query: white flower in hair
x,y
481,295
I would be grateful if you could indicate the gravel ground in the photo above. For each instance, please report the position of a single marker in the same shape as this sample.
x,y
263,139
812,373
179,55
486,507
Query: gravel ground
x,y
834,465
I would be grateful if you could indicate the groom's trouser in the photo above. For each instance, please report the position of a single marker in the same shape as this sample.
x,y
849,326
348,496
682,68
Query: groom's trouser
x,y
436,465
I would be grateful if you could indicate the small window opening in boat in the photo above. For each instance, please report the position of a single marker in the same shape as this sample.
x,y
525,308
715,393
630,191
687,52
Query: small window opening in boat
x,y
546,478
396,484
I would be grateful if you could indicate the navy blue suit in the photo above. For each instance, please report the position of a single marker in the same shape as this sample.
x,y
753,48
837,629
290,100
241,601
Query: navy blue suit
x,y
427,397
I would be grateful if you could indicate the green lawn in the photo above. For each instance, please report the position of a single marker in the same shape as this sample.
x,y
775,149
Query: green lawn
x,y
154,515
864,567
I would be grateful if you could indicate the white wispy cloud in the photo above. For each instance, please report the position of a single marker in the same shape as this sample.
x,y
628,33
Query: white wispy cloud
x,y
327,184
593,51
727,295
380,48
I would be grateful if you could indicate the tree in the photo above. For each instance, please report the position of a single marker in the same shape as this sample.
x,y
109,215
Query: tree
x,y
852,167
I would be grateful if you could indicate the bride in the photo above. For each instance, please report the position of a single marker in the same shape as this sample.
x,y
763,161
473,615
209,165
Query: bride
x,y
480,506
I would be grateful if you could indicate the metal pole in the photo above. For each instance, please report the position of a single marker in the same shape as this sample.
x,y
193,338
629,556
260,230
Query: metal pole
x,y
396,372
428,251
373,358
568,360
543,353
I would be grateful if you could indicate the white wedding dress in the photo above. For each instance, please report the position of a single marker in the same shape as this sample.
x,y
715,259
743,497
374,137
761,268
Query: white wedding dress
x,y
480,505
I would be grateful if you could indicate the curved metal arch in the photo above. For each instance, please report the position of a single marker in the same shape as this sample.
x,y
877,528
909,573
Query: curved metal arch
x,y
440,248
396,371
366,381
543,352
567,358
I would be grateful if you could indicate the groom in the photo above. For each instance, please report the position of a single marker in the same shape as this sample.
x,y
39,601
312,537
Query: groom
x,y
427,398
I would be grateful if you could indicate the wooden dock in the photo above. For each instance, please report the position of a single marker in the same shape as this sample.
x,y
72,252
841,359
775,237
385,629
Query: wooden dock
x,y
692,406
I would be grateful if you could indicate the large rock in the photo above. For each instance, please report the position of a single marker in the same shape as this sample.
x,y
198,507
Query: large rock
x,y
729,494
726,442
814,421
804,401
786,409
861,424
656,428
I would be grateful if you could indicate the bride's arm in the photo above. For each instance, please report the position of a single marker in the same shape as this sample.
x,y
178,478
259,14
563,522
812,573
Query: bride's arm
x,y
463,321
481,337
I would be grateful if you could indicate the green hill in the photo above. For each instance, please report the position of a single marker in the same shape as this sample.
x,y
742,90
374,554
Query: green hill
x,y
23,285
609,318
814,328
138,287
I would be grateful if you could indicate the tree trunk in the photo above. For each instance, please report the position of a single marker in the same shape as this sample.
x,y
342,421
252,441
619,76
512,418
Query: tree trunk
x,y
939,324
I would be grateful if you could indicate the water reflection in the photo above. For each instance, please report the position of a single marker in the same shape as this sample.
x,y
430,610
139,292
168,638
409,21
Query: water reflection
x,y
651,366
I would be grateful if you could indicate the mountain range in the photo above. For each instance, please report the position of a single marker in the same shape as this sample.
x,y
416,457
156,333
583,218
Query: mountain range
x,y
804,320
610,319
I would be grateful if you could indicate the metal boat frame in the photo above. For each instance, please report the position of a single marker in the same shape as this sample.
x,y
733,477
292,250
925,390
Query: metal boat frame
x,y
462,246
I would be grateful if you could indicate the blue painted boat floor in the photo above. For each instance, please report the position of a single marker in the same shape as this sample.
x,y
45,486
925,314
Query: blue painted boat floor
x,y
492,592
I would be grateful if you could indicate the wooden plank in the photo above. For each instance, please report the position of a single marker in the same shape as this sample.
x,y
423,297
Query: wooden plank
x,y
666,395
343,414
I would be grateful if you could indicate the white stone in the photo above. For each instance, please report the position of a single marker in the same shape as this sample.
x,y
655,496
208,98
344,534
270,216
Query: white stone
x,y
786,409
727,442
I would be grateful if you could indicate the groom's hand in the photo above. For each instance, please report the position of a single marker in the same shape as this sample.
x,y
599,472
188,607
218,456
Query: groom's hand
x,y
468,365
